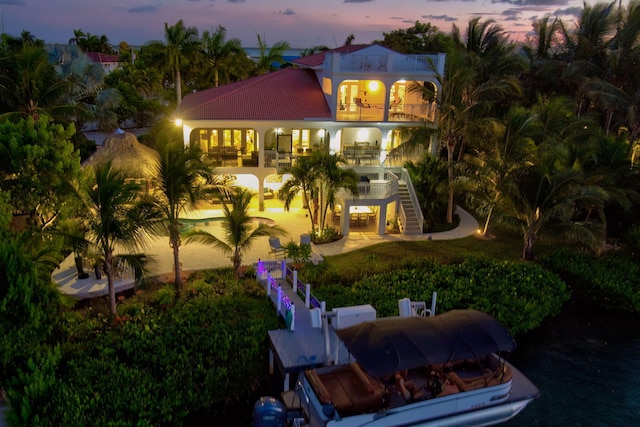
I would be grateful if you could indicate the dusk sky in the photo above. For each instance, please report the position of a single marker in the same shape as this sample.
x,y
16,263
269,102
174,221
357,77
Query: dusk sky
x,y
302,23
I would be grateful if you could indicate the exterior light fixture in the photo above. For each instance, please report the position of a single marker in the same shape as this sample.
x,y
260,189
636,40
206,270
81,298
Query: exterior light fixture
x,y
178,122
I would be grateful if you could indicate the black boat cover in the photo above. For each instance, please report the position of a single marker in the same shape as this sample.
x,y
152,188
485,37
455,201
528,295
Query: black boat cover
x,y
391,344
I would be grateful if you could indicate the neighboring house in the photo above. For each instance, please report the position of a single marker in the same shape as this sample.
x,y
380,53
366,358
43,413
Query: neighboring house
x,y
108,62
352,100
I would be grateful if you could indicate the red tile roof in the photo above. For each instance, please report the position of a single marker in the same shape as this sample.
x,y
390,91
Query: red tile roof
x,y
289,94
317,59
101,58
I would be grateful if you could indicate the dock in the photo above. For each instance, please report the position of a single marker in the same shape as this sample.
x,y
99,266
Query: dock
x,y
302,345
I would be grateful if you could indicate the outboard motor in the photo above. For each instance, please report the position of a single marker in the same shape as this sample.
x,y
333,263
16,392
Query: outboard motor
x,y
269,412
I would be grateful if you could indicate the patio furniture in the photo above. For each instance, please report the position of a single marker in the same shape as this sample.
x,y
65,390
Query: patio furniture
x,y
276,247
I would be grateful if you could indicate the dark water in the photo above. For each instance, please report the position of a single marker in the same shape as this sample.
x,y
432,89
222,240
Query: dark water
x,y
587,367
585,363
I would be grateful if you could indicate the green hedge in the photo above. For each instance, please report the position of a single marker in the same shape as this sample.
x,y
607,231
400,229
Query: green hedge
x,y
518,294
154,366
611,281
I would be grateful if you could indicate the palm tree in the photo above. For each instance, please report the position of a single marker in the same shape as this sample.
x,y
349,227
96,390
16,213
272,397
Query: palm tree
x,y
509,148
269,56
331,178
238,226
117,219
87,98
77,35
546,205
429,178
31,87
462,102
218,52
180,44
180,178
302,180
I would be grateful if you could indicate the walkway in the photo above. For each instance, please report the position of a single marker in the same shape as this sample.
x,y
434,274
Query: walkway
x,y
196,256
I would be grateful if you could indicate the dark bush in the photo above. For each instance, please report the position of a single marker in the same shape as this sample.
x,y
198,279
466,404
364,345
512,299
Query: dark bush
x,y
611,281
518,294
155,364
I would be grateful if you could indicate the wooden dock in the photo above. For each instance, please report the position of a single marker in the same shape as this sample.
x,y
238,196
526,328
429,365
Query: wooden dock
x,y
304,347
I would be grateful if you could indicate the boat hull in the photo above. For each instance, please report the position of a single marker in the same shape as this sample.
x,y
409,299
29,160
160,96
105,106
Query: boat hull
x,y
482,407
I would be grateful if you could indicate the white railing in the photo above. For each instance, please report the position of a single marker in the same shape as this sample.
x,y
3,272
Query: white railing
x,y
381,63
404,174
270,273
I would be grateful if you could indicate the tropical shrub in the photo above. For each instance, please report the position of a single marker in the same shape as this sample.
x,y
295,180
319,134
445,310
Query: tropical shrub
x,y
611,281
517,294
152,365
29,308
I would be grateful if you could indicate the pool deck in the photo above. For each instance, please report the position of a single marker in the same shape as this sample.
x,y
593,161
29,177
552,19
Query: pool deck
x,y
196,256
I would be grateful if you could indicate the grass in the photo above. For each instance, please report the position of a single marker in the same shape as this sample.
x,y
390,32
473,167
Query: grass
x,y
351,266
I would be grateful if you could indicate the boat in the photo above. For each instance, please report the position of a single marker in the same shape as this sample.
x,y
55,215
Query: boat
x,y
444,370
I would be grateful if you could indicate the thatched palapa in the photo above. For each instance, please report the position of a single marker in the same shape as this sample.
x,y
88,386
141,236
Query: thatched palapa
x,y
124,152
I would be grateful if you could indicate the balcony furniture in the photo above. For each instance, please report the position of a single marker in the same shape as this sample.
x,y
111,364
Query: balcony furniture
x,y
361,104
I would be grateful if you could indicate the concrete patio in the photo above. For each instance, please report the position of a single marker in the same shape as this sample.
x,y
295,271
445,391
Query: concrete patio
x,y
195,256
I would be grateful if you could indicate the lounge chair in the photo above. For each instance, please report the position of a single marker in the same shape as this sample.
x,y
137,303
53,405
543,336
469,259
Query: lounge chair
x,y
276,247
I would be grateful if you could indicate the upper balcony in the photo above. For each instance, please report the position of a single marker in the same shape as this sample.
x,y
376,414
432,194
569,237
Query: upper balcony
x,y
393,63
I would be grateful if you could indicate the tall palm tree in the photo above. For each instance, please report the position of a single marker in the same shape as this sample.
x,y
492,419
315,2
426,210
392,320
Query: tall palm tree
x,y
464,100
239,230
118,219
180,44
218,52
180,177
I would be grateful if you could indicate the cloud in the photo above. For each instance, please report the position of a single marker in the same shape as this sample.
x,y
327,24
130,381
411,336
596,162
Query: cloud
x,y
533,2
13,2
287,11
235,1
358,1
570,11
143,9
445,18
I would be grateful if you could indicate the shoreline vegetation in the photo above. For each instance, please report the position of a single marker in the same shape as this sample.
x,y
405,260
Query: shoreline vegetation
x,y
188,347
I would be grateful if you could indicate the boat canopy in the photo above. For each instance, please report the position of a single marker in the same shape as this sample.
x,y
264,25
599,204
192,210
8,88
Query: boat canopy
x,y
391,344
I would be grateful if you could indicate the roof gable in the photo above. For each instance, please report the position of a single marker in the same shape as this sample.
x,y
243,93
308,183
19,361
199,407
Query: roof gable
x,y
289,94
317,59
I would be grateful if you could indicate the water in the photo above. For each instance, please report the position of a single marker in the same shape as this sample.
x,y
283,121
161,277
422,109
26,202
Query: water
x,y
587,366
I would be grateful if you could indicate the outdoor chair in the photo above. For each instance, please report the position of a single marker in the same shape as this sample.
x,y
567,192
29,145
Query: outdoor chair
x,y
276,247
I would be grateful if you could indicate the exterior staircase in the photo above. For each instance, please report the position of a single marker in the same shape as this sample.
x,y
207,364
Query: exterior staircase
x,y
412,226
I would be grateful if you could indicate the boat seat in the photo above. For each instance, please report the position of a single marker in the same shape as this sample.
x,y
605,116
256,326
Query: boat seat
x,y
484,379
350,389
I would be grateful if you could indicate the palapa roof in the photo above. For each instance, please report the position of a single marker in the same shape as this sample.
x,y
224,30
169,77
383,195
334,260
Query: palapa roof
x,y
124,152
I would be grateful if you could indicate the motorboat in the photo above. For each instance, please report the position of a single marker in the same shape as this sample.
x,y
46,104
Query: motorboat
x,y
443,370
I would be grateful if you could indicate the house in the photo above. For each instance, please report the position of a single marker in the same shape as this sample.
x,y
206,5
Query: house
x,y
108,62
351,100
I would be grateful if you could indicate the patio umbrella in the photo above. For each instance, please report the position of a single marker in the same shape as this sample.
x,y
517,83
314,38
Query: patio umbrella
x,y
387,345
124,152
